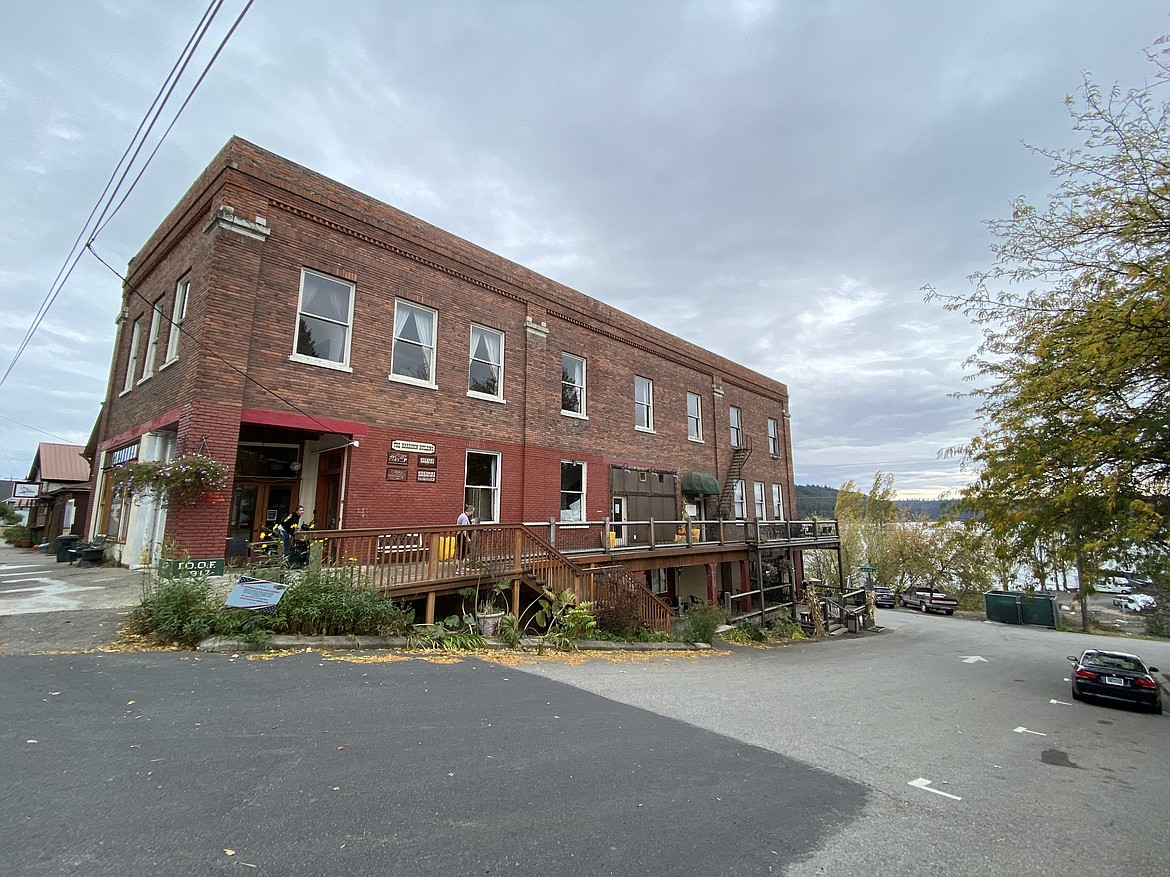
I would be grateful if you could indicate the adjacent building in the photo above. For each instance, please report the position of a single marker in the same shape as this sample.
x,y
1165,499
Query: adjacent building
x,y
339,354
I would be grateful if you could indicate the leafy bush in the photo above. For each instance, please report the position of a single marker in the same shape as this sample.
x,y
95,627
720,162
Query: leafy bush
x,y
16,533
701,622
619,617
186,610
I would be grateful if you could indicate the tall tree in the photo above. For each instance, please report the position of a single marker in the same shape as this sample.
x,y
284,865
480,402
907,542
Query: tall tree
x,y
1074,368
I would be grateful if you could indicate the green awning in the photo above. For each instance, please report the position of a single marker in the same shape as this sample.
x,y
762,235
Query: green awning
x,y
700,484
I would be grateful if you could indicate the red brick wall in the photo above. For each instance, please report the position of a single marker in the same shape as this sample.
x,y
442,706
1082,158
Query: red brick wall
x,y
242,320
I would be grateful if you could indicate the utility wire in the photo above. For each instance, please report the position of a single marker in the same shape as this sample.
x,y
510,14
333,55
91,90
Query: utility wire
x,y
127,162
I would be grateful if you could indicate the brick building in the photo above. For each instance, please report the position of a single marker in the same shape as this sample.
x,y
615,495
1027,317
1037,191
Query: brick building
x,y
338,353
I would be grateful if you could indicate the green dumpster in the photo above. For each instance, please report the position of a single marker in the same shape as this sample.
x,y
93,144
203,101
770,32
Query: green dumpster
x,y
1002,606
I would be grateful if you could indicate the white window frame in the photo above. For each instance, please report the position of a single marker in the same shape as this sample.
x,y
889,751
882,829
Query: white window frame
x,y
583,413
735,421
694,417
773,437
341,364
644,407
758,497
132,361
426,345
152,342
739,501
580,494
178,314
485,333
777,502
492,489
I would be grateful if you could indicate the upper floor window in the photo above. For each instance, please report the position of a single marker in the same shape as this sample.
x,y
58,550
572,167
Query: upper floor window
x,y
777,503
572,384
152,341
694,417
413,357
758,496
739,502
178,314
572,491
644,404
485,374
736,427
132,361
323,320
773,437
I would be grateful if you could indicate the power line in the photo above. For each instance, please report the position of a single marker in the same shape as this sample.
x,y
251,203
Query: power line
x,y
126,162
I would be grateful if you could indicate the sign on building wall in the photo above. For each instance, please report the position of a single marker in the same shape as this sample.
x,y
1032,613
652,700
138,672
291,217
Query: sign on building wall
x,y
397,459
395,474
416,447
25,489
425,474
429,462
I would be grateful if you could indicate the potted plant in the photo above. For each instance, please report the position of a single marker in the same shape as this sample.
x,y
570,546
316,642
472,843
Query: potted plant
x,y
185,479
18,536
490,608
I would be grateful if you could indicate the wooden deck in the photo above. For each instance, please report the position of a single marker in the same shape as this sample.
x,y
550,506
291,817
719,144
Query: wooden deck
x,y
428,562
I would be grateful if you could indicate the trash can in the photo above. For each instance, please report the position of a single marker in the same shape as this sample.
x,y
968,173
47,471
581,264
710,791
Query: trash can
x,y
65,542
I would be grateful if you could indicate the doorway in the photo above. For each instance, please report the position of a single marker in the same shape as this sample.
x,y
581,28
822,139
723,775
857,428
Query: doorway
x,y
327,508
256,506
619,517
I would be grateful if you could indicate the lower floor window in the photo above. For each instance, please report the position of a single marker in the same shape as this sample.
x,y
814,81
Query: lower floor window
x,y
572,491
482,485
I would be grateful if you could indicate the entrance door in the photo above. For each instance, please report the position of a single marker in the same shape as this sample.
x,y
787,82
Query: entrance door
x,y
327,513
256,506
619,517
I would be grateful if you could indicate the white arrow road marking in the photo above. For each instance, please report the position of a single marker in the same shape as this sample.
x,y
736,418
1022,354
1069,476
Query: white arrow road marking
x,y
1061,702
1023,730
924,784
974,659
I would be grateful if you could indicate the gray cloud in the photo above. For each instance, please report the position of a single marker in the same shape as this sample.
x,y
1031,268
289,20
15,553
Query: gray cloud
x,y
773,180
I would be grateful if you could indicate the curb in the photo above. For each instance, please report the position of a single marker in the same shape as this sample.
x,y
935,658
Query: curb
x,y
363,643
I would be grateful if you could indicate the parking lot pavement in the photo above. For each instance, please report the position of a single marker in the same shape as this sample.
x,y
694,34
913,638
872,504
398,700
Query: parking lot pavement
x,y
32,582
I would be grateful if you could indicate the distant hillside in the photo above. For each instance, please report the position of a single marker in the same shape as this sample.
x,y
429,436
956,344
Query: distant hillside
x,y
812,500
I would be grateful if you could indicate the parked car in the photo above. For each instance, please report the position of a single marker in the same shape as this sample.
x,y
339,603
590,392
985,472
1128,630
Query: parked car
x,y
1135,602
927,600
1113,585
1115,676
883,596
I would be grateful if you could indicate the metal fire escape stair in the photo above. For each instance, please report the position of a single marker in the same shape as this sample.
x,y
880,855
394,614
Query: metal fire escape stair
x,y
739,456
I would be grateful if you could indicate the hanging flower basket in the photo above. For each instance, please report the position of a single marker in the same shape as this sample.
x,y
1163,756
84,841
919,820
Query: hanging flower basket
x,y
185,479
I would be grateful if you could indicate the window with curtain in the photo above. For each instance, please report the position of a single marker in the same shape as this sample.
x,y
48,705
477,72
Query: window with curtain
x,y
485,375
777,503
324,319
758,496
152,341
740,501
773,437
413,356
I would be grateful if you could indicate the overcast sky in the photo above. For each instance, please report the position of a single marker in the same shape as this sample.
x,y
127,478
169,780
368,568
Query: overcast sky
x,y
775,181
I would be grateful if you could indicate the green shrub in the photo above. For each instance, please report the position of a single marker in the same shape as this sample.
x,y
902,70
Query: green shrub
x,y
701,622
16,533
186,610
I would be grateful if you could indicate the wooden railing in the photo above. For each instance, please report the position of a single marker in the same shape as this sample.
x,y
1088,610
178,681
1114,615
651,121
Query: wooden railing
x,y
430,558
589,537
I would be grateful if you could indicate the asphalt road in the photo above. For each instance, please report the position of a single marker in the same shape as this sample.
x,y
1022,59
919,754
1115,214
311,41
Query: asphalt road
x,y
175,764
1034,783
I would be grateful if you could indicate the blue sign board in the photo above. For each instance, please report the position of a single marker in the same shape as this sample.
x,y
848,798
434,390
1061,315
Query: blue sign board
x,y
250,593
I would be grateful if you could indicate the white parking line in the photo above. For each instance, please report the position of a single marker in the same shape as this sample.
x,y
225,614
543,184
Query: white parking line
x,y
924,784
